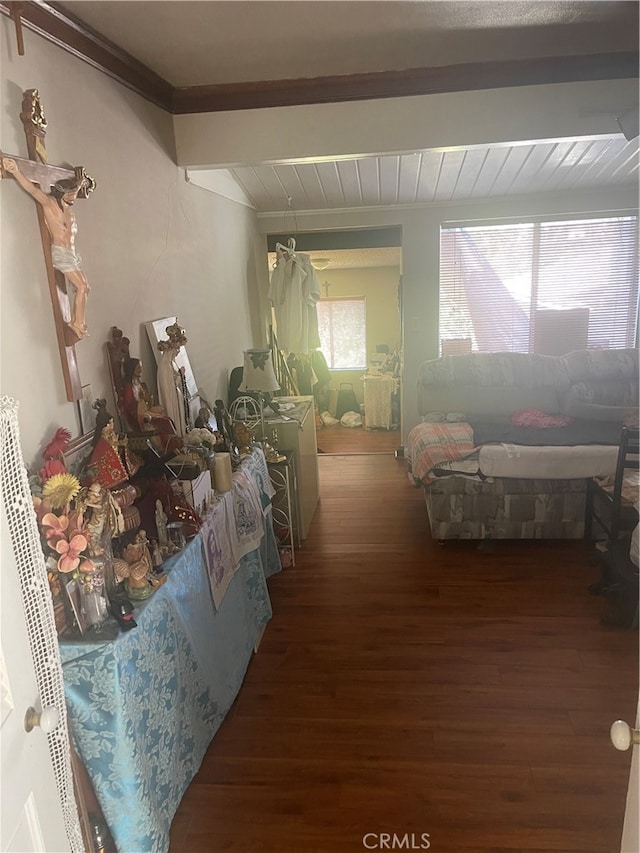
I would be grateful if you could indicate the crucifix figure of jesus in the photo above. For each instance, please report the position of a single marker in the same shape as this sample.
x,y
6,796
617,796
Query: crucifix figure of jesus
x,y
61,224
55,190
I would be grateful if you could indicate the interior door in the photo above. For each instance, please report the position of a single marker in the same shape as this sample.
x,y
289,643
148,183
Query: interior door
x,y
631,830
32,819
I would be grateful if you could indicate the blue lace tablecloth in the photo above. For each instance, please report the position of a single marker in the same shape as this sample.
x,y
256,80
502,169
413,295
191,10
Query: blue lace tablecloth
x,y
143,708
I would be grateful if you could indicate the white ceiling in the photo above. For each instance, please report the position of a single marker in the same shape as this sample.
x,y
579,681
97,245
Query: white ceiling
x,y
203,42
426,177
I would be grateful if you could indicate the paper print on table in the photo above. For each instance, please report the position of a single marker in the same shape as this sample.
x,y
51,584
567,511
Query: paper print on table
x,y
220,546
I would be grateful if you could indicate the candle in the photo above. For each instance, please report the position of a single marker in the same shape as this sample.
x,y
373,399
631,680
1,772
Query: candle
x,y
222,474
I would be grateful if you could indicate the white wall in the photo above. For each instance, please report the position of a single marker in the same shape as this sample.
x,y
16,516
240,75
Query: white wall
x,y
152,244
420,256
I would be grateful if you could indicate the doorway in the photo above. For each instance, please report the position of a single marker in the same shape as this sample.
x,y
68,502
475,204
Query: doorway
x,y
359,278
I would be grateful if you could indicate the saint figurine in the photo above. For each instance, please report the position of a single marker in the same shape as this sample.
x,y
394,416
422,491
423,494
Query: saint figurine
x,y
171,378
111,462
140,412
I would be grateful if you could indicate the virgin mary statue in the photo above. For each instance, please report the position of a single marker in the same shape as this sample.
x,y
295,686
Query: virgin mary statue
x,y
171,378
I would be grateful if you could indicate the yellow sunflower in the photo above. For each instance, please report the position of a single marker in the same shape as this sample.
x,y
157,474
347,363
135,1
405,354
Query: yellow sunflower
x,y
61,489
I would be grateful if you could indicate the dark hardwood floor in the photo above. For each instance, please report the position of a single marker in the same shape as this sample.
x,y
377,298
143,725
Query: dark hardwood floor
x,y
406,687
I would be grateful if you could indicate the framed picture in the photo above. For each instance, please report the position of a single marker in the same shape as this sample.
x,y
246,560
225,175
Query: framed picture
x,y
86,411
74,596
77,452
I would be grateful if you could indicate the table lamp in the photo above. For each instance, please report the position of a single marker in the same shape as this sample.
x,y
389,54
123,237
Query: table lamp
x,y
258,375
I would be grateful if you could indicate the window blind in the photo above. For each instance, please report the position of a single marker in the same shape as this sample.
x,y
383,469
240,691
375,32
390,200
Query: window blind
x,y
342,330
547,287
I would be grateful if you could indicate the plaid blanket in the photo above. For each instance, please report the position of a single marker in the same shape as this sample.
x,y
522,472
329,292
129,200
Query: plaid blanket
x,y
431,444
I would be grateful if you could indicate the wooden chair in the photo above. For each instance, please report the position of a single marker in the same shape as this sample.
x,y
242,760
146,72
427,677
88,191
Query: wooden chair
x,y
612,504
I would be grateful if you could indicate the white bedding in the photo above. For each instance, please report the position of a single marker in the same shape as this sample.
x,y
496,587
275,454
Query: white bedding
x,y
548,462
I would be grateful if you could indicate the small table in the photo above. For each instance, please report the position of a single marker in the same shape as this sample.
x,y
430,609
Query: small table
x,y
284,506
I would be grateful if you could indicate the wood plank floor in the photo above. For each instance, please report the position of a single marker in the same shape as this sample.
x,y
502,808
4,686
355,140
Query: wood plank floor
x,y
338,439
406,687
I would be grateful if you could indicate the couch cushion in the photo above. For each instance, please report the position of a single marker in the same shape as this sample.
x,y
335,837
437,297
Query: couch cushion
x,y
502,369
589,365
494,403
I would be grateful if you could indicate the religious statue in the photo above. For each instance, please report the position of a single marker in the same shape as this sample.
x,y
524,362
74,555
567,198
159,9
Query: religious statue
x,y
103,517
243,437
60,220
111,462
139,579
202,421
140,412
165,546
225,428
171,380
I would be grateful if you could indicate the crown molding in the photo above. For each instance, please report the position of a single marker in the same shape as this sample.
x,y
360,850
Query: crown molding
x,y
57,25
63,29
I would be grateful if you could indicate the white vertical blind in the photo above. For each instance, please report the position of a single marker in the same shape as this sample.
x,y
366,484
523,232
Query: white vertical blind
x,y
548,287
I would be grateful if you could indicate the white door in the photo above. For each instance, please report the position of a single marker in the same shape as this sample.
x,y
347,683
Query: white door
x,y
31,813
631,830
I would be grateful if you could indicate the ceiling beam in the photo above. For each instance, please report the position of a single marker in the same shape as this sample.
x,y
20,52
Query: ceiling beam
x,y
413,81
56,24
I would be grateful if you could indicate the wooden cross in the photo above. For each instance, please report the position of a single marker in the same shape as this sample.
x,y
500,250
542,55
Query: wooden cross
x,y
44,176
326,286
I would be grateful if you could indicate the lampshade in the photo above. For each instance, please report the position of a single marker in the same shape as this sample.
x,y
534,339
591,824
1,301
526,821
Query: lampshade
x,y
320,263
257,371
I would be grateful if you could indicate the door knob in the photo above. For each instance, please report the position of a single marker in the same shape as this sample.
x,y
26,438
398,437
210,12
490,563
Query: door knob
x,y
47,719
623,736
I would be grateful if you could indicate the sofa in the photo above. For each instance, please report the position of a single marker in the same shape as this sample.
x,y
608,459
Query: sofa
x,y
509,441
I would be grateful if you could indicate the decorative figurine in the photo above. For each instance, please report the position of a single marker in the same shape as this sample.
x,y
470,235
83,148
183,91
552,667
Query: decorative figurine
x,y
140,412
57,210
137,556
243,437
111,462
171,378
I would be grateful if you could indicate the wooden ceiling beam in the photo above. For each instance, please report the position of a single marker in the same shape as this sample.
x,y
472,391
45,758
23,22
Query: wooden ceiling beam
x,y
413,81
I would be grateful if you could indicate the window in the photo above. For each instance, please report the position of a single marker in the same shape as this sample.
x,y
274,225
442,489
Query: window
x,y
343,332
547,287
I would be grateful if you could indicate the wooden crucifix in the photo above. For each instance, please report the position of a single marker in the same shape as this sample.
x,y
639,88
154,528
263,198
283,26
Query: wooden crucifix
x,y
326,286
55,189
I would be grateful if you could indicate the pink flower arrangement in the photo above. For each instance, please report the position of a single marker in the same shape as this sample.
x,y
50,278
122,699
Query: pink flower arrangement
x,y
65,536
70,552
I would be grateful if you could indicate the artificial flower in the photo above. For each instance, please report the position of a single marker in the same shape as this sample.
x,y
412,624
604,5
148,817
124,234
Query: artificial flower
x,y
52,467
61,488
58,444
87,566
70,552
41,506
54,527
